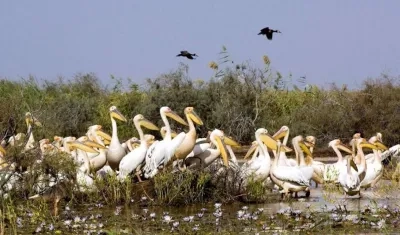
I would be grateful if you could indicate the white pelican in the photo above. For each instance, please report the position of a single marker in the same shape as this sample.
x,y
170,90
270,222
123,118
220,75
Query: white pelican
x,y
374,170
261,165
30,121
135,158
331,173
96,134
293,178
319,167
205,158
115,151
283,160
350,176
99,161
190,138
162,151
131,144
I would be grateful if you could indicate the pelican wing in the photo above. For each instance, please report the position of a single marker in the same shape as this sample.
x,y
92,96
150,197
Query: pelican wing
x,y
296,175
173,145
131,161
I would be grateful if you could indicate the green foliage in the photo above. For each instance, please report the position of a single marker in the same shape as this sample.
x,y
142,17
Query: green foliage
x,y
177,188
238,99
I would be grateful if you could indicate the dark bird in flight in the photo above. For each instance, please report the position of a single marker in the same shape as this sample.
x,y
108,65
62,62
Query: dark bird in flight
x,y
268,32
187,55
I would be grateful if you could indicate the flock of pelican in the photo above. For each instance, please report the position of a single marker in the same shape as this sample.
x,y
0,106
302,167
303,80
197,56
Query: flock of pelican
x,y
98,154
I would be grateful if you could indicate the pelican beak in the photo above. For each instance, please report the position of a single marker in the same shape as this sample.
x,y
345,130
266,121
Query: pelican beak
x,y
270,142
380,145
93,144
2,150
309,144
279,134
107,142
37,123
173,134
149,125
253,148
104,135
231,142
365,144
118,115
81,146
344,148
221,147
193,115
305,149
176,117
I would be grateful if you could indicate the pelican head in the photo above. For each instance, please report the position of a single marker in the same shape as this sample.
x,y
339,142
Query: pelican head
x,y
139,118
115,113
357,136
299,140
192,115
310,140
31,120
377,141
163,131
149,139
281,133
337,143
231,142
218,137
168,112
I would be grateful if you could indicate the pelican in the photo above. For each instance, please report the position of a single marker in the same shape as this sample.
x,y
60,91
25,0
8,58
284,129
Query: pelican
x,y
319,167
374,170
96,134
115,151
261,165
135,158
162,151
96,163
283,160
131,144
205,158
190,138
30,121
331,172
293,178
351,176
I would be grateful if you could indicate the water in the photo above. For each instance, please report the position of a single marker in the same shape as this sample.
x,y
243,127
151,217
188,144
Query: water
x,y
376,211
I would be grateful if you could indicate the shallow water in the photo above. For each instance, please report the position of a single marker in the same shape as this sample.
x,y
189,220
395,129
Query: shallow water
x,y
337,212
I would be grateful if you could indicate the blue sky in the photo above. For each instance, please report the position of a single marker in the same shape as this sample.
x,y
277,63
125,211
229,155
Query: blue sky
x,y
328,41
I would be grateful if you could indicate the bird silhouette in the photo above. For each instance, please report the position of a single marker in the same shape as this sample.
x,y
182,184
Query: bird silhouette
x,y
268,32
187,55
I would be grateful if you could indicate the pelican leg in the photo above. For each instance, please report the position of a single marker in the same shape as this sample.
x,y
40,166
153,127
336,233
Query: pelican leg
x,y
308,192
375,181
138,176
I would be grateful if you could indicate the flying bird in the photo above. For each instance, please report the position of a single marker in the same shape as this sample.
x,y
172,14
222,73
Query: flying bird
x,y
268,32
187,55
